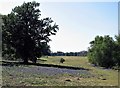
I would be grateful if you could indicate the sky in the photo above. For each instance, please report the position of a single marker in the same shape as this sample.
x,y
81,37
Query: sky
x,y
79,22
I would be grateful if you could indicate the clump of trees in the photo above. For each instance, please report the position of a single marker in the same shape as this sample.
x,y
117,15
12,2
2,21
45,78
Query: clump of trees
x,y
25,35
104,51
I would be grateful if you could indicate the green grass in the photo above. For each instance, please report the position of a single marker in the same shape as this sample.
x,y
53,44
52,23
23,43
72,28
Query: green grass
x,y
99,73
97,78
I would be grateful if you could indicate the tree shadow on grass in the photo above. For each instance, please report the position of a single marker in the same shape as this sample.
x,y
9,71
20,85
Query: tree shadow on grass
x,y
10,63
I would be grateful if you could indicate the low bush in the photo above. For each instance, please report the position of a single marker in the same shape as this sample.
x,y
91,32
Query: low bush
x,y
62,60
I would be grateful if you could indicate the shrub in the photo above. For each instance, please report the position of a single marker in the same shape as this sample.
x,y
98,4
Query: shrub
x,y
62,60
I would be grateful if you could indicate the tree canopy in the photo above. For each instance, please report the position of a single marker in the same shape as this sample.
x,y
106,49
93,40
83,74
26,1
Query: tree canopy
x,y
104,51
25,35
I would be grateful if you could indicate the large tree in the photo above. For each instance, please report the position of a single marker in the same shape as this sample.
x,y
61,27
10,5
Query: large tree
x,y
25,35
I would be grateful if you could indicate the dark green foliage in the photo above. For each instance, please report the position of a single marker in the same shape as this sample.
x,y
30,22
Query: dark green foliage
x,y
117,51
101,51
0,33
62,60
25,35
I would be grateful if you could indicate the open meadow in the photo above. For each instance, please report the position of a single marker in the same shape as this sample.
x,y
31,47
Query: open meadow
x,y
41,44
33,75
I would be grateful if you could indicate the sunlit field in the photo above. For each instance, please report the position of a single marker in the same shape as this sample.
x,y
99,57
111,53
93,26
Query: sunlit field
x,y
32,75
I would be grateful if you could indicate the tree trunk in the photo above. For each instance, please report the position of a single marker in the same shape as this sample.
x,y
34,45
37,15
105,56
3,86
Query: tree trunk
x,y
25,60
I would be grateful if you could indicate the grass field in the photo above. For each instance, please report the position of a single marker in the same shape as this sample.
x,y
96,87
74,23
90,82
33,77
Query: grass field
x,y
24,75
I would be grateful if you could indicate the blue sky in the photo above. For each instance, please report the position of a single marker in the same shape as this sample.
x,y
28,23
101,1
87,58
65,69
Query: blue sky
x,y
79,22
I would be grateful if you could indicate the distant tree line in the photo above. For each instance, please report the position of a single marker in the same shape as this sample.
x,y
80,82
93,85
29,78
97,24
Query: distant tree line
x,y
105,51
59,53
